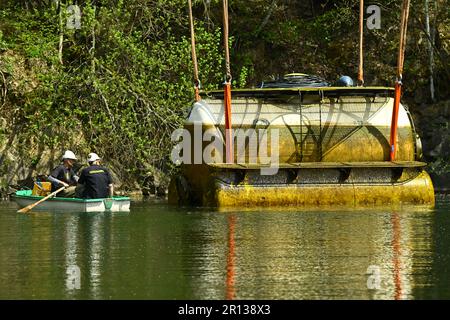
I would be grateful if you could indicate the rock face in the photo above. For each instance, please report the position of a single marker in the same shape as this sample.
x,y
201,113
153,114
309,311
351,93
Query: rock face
x,y
433,125
21,163
27,145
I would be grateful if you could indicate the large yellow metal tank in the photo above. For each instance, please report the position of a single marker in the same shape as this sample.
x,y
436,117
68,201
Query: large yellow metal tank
x,y
327,146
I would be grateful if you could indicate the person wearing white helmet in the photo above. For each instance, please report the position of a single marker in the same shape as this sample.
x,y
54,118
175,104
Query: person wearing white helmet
x,y
64,175
96,179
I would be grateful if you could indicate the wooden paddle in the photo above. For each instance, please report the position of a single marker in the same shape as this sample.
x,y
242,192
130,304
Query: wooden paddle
x,y
31,206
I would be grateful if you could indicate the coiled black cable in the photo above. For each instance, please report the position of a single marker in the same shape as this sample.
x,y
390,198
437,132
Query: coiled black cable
x,y
296,80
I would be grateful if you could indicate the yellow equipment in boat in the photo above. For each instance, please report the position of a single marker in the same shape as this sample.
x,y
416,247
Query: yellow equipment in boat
x,y
331,146
41,188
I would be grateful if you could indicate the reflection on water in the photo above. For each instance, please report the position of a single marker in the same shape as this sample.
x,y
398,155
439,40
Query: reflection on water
x,y
161,252
230,293
73,272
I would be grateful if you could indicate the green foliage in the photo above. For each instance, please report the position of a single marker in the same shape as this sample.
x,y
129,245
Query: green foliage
x,y
121,90
126,78
3,44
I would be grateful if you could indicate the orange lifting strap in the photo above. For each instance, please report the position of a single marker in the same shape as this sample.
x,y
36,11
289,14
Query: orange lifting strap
x,y
361,33
227,88
398,82
194,54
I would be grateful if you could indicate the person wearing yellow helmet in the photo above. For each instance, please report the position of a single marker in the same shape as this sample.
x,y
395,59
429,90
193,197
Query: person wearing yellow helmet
x,y
64,175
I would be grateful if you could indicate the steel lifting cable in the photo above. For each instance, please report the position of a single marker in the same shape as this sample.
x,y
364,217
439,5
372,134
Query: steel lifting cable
x,y
322,98
401,53
300,97
361,37
226,40
194,54
398,82
227,88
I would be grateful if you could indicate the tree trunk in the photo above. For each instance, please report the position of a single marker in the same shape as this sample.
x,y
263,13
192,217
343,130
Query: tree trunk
x,y
61,32
93,44
430,49
267,17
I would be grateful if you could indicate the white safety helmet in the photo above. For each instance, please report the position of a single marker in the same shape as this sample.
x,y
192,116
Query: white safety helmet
x,y
69,155
93,157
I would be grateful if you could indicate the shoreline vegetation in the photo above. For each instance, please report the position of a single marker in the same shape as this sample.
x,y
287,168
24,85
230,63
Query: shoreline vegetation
x,y
121,81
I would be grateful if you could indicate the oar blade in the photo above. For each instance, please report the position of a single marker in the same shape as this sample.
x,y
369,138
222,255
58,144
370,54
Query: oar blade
x,y
23,210
31,206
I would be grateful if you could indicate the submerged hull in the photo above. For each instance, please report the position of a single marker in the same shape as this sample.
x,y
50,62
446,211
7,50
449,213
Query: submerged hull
x,y
117,204
346,185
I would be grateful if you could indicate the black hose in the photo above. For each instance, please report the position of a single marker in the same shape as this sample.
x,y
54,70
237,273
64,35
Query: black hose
x,y
295,81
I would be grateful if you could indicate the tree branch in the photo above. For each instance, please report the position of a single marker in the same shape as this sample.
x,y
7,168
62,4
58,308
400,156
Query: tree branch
x,y
267,17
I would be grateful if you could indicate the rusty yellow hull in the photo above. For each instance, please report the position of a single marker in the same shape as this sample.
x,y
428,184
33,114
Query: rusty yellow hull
x,y
303,186
413,192
332,149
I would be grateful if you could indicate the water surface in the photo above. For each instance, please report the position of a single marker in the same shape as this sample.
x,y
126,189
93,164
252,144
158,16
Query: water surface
x,y
161,252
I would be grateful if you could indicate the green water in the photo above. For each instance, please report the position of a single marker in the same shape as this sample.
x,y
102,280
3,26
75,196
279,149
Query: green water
x,y
160,252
